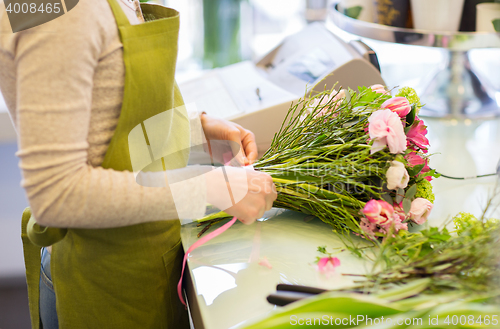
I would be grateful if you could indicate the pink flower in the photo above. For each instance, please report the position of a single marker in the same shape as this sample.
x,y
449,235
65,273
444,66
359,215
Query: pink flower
x,y
378,212
399,213
399,105
327,265
399,225
397,176
414,159
420,210
379,89
416,135
368,227
394,227
385,128
265,262
335,100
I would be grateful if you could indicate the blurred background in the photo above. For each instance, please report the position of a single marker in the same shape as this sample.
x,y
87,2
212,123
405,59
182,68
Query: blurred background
x,y
216,33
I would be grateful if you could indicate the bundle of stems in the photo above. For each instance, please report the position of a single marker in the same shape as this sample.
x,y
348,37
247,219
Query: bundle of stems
x,y
320,159
466,261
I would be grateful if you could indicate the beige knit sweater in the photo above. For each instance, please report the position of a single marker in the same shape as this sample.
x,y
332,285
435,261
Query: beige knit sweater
x,y
63,85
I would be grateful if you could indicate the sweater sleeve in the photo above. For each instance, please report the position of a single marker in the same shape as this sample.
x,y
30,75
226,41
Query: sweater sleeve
x,y
55,65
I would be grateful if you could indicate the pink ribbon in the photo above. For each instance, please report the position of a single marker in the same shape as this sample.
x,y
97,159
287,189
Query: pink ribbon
x,y
195,245
227,159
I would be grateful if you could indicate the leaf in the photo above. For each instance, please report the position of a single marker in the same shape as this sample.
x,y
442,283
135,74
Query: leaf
x,y
368,97
220,214
353,12
318,140
405,290
406,205
496,24
411,192
400,195
432,173
331,304
410,117
414,171
387,198
350,123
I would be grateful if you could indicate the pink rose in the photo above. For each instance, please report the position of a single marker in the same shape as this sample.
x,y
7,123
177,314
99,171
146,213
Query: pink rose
x,y
385,128
420,210
397,176
378,212
399,105
327,265
379,89
416,135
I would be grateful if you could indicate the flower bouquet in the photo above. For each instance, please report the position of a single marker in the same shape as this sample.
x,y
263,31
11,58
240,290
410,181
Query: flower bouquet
x,y
356,160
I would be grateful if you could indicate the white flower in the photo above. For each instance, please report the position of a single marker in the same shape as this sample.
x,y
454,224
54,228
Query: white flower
x,y
397,176
420,210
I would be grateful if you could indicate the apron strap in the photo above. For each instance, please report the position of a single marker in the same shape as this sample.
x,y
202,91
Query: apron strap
x,y
32,260
121,19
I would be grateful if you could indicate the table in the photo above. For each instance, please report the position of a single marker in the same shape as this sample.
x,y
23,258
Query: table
x,y
227,287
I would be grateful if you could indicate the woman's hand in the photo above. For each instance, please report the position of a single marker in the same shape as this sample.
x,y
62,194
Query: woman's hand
x,y
220,129
252,192
241,192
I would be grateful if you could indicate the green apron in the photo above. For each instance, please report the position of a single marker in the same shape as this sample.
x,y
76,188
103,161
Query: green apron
x,y
123,277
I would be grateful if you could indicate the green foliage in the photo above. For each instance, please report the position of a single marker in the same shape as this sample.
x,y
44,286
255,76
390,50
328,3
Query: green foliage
x,y
410,117
424,190
411,95
467,261
415,170
467,224
429,274
322,249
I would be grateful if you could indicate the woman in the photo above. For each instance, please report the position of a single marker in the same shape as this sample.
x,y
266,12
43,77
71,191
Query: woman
x,y
76,87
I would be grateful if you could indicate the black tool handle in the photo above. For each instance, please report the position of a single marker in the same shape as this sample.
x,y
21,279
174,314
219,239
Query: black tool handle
x,y
298,288
282,298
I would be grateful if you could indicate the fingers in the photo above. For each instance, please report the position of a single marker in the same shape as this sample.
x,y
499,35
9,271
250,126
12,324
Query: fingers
x,y
225,130
271,197
234,135
249,145
269,204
